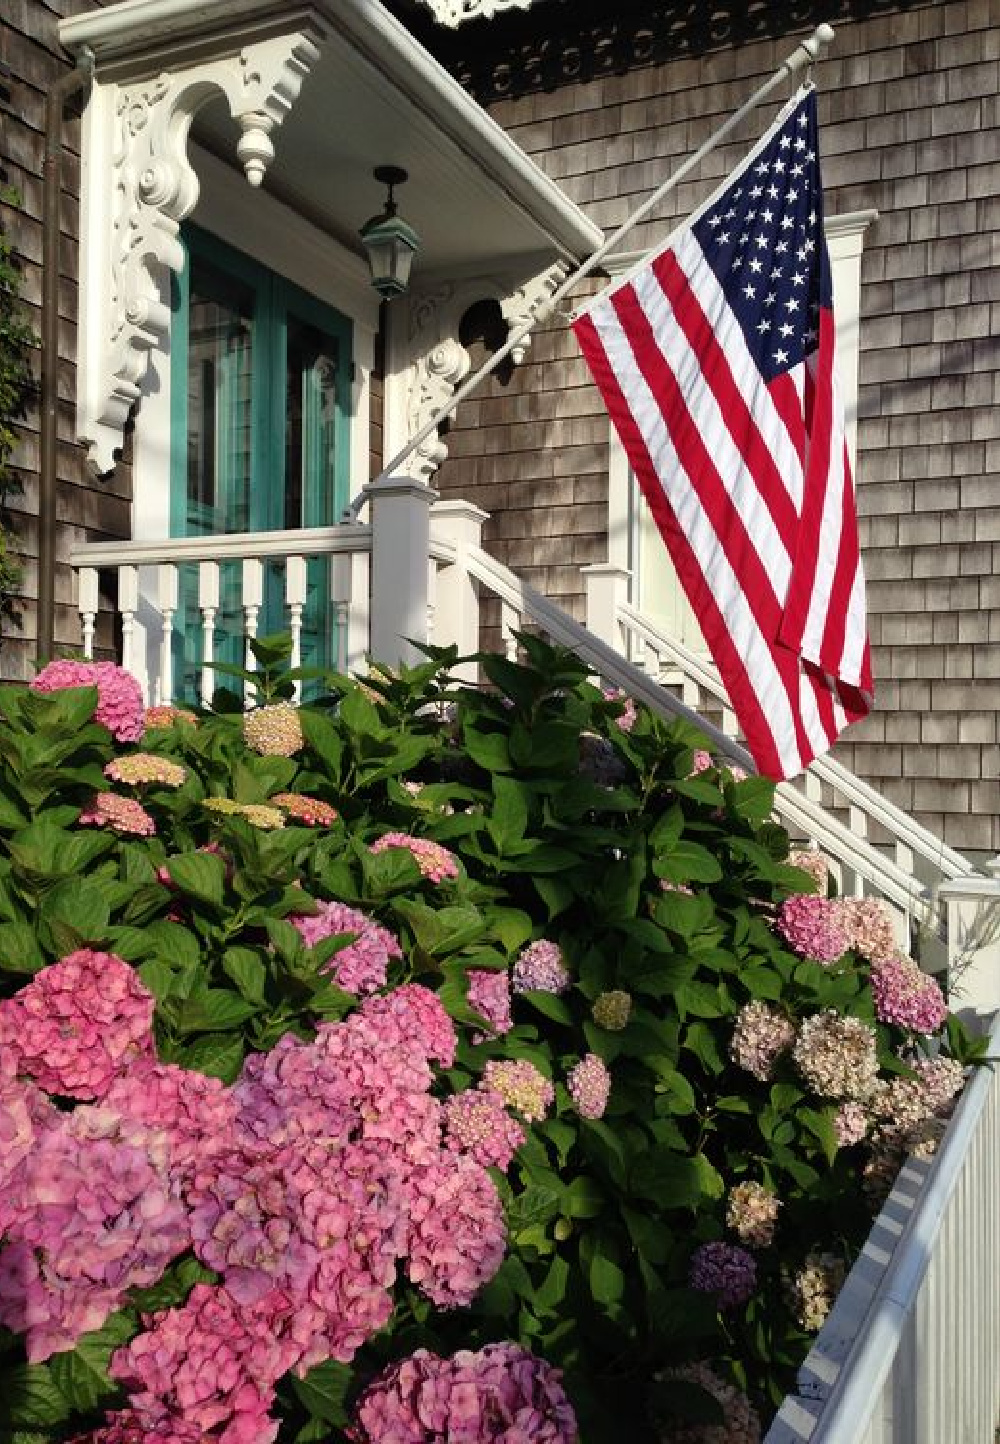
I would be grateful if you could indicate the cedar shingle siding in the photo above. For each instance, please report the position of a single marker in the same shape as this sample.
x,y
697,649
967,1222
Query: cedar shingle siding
x,y
909,108
87,509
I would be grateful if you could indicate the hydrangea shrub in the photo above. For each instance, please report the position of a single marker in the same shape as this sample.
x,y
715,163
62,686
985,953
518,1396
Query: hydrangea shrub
x,y
428,1063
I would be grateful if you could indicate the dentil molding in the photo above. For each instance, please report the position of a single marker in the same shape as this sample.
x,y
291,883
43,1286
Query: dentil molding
x,y
137,187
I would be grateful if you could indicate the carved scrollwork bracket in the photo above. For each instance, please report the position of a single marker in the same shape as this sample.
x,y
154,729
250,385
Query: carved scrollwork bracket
x,y
139,186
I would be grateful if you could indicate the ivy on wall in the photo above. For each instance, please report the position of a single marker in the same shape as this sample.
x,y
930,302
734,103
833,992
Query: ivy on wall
x,y
16,385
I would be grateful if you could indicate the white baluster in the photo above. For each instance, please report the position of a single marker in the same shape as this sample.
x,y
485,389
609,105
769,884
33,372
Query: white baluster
x,y
168,596
359,610
510,622
208,604
814,788
253,599
905,859
88,594
432,581
729,723
128,605
690,691
295,599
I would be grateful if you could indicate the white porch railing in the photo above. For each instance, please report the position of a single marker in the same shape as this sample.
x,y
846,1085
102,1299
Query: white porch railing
x,y
910,1353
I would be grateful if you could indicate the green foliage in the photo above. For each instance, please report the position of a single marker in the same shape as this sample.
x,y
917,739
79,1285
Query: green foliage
x,y
652,882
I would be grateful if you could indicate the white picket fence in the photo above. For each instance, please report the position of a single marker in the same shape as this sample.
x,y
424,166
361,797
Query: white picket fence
x,y
910,1353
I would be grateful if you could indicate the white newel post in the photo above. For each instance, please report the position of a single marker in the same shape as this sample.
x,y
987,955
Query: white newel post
x,y
973,905
606,586
400,522
459,523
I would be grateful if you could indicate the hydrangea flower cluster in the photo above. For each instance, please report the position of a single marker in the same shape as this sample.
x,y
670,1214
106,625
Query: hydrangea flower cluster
x,y
761,1035
167,715
811,1290
908,1116
870,928
500,1395
361,966
258,814
813,926
725,1270
540,968
850,1124
120,707
810,860
274,730
589,1084
612,1010
489,994
435,862
141,769
752,1214
310,811
626,719
906,996
121,814
521,1085
477,1123
740,1425
78,1024
837,1056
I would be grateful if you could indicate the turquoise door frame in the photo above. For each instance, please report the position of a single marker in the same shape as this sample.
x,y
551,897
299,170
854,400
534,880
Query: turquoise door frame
x,y
270,449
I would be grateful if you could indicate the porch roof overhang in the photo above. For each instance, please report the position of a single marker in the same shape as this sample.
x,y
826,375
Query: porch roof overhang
x,y
371,95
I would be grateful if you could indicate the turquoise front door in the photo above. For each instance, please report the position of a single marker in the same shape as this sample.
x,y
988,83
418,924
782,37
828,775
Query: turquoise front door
x,y
260,401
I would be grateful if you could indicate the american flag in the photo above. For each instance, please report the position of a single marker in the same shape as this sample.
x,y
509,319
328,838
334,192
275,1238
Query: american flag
x,y
716,362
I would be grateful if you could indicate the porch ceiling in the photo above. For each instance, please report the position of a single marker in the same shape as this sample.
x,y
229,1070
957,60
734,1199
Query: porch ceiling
x,y
374,97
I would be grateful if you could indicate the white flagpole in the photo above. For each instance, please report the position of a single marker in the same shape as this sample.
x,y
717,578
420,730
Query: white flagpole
x,y
804,54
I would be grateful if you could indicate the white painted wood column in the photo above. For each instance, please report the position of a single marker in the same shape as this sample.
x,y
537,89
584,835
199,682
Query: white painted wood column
x,y
400,520
973,905
606,589
459,523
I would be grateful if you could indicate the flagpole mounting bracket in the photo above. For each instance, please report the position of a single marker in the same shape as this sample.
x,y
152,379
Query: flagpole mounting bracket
x,y
810,49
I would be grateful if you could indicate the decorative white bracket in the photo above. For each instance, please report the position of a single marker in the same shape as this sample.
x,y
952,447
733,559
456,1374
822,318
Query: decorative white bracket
x,y
431,361
138,185
453,12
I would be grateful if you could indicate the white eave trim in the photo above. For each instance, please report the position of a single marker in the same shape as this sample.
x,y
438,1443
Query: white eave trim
x,y
122,32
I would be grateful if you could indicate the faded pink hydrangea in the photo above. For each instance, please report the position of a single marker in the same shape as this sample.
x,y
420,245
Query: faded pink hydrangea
x,y
521,1085
541,968
489,994
812,1289
701,761
850,1124
499,1395
813,927
310,811
167,715
78,1024
435,862
869,926
121,814
92,1214
752,1214
760,1036
120,706
274,730
906,996
589,1084
725,1270
477,1123
837,1056
815,863
740,1425
361,966
626,719
141,769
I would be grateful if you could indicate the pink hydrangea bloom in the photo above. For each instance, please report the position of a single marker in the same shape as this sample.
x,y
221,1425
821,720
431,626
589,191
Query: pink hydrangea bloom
x,y
725,1270
906,996
540,967
760,1036
500,1395
477,1123
701,762
24,1113
310,811
93,1213
456,1239
167,715
140,769
128,1427
521,1085
489,994
361,966
119,697
850,1124
78,1023
121,814
813,927
815,863
435,862
589,1084
195,1112
626,719
740,1422
417,1012
868,923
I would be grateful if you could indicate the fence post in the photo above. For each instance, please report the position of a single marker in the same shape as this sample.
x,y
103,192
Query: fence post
x,y
606,586
400,522
973,905
460,523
